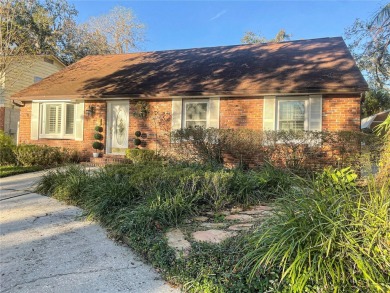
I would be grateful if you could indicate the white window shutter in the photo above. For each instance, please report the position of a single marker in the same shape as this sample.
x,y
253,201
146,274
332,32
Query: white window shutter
x,y
79,121
315,118
269,113
34,121
177,108
214,113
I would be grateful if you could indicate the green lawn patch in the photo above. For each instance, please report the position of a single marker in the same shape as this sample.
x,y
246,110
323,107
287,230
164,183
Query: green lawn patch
x,y
14,170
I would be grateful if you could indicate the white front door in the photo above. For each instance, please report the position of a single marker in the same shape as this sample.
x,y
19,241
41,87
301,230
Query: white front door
x,y
117,127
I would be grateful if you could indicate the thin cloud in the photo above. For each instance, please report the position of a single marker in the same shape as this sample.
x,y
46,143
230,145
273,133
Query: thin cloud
x,y
218,15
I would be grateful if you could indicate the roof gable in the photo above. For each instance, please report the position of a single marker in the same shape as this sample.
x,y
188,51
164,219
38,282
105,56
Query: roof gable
x,y
319,65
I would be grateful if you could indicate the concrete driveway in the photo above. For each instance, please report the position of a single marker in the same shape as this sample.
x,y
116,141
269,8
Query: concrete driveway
x,y
46,246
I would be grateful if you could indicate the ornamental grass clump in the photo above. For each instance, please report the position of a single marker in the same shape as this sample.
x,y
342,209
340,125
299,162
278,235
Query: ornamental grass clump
x,y
326,239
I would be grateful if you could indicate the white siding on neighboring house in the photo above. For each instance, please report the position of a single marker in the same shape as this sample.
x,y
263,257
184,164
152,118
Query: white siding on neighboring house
x,y
21,75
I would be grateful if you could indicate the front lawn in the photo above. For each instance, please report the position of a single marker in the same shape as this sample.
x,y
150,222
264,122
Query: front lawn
x,y
14,170
324,235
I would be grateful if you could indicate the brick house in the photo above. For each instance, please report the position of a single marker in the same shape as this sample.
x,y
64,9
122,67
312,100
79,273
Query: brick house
x,y
22,72
300,85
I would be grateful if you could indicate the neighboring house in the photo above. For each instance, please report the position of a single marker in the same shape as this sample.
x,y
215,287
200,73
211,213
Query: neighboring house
x,y
21,73
370,122
300,85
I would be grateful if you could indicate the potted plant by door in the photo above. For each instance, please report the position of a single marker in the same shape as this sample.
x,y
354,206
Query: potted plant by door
x,y
97,145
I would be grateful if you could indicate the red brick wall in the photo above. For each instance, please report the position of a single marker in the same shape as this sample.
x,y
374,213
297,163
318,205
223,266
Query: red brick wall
x,y
241,113
155,128
340,112
84,147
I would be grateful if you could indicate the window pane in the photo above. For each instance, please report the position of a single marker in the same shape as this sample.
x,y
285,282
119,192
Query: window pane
x,y
196,111
69,123
291,125
53,119
196,123
292,115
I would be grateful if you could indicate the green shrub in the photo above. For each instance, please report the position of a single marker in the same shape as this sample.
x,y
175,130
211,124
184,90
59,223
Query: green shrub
x,y
98,128
67,184
344,179
141,155
34,155
326,239
97,145
7,156
98,136
301,152
199,144
137,142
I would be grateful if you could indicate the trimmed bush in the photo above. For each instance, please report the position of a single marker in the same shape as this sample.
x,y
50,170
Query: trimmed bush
x,y
97,145
7,146
141,155
98,128
33,155
301,152
137,142
98,136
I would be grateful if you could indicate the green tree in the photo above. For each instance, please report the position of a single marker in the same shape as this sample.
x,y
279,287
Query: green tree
x,y
78,42
40,24
370,41
375,100
253,38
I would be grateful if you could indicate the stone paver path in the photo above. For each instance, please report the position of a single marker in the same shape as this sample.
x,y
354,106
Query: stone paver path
x,y
212,236
215,227
177,241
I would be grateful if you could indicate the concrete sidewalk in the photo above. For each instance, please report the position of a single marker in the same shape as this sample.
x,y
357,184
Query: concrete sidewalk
x,y
47,246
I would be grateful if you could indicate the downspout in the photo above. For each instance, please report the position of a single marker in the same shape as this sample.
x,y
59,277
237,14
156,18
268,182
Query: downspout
x,y
362,99
21,104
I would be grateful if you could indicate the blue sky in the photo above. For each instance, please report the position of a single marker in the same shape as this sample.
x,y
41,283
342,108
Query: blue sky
x,y
189,24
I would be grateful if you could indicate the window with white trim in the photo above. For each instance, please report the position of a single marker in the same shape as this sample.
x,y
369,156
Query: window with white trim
x,y
195,113
57,120
291,115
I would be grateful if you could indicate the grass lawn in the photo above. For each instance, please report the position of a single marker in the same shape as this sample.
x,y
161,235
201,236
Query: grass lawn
x,y
13,170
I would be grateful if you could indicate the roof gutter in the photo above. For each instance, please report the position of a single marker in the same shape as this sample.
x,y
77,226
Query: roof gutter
x,y
168,95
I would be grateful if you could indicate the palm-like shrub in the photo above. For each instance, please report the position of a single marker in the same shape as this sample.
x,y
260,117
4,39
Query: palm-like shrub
x,y
326,239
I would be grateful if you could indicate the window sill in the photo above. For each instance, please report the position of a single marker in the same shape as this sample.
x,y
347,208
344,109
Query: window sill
x,y
56,138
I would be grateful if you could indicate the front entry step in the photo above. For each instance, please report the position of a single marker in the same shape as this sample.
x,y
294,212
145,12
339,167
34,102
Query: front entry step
x,y
107,160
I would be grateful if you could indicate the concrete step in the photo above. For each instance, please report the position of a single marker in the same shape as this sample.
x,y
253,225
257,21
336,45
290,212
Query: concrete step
x,y
107,160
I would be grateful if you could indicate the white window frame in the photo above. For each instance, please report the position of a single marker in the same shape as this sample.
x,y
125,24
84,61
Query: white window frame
x,y
42,121
293,99
192,101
